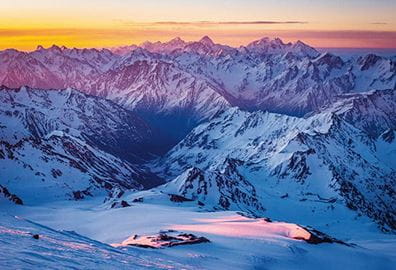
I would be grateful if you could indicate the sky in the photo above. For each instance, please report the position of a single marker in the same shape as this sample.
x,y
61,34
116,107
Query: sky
x,y
25,24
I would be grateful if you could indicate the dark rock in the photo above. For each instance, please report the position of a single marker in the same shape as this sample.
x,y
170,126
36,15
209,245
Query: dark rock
x,y
318,237
285,196
138,200
125,204
12,197
178,198
169,238
81,194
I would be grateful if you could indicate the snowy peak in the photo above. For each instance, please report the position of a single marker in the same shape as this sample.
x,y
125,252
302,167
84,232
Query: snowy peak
x,y
164,47
206,41
330,60
266,45
123,50
303,49
276,46
177,41
368,61
259,43
221,188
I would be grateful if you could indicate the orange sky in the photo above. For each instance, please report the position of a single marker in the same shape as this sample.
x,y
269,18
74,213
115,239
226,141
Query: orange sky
x,y
24,24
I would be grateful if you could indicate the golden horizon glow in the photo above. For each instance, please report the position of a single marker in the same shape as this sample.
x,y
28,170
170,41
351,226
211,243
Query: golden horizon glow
x,y
26,24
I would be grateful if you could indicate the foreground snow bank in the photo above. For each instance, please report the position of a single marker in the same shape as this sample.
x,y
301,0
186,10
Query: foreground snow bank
x,y
28,245
249,244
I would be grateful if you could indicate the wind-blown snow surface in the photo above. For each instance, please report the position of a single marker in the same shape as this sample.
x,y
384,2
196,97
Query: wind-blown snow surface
x,y
236,242
66,250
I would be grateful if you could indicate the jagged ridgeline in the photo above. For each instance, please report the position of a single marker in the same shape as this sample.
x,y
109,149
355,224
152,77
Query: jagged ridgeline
x,y
177,84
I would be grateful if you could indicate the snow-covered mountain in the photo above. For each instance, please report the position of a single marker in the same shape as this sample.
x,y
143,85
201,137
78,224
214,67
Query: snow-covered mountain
x,y
288,81
373,111
257,140
52,68
27,112
170,99
63,167
222,188
174,78
319,163
277,76
58,144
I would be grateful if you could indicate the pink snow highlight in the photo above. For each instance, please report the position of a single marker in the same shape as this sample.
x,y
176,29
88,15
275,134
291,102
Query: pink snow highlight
x,y
239,226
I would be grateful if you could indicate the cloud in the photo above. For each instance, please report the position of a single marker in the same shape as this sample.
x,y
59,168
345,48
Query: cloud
x,y
209,23
346,34
28,39
202,24
379,23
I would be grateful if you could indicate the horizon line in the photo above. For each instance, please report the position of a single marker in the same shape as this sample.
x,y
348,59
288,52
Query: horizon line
x,y
98,47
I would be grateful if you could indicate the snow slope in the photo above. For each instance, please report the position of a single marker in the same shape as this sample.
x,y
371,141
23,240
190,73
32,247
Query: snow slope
x,y
236,242
66,250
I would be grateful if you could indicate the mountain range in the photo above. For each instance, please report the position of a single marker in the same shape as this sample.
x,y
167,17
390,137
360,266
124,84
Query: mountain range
x,y
259,128
173,79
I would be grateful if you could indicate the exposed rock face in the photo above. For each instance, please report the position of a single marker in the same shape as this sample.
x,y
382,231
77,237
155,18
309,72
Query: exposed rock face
x,y
164,239
9,196
318,237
